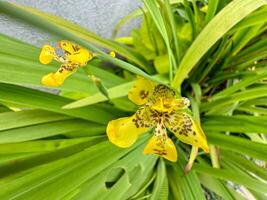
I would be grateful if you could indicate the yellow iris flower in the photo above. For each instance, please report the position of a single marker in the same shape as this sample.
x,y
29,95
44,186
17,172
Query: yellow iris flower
x,y
161,110
72,57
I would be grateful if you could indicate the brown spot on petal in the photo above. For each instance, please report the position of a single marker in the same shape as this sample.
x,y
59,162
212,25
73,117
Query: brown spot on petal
x,y
143,94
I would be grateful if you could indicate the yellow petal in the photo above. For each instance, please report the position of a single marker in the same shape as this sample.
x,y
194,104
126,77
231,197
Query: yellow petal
x,y
168,151
164,99
75,53
57,79
81,57
47,54
68,46
141,90
163,105
187,130
49,80
202,137
123,131
163,91
143,117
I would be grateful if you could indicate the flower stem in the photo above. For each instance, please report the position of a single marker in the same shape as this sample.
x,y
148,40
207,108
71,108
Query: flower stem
x,y
214,157
192,158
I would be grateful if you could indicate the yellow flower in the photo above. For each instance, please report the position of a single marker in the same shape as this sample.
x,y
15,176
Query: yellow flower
x,y
75,53
47,54
71,55
57,79
161,110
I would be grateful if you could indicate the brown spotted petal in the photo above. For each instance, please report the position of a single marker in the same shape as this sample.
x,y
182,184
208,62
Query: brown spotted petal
x,y
141,91
161,145
146,117
162,91
57,79
165,99
186,130
123,132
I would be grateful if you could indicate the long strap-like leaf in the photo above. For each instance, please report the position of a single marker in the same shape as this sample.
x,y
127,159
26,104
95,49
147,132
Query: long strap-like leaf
x,y
218,26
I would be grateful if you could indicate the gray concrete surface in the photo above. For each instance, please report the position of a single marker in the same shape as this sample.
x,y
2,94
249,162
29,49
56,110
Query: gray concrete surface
x,y
99,16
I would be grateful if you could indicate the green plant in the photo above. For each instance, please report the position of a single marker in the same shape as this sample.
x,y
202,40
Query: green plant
x,y
55,146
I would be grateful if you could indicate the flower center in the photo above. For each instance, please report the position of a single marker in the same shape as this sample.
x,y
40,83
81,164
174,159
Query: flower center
x,y
159,117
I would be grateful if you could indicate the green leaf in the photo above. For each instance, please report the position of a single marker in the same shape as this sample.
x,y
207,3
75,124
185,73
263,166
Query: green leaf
x,y
9,120
236,124
226,174
25,163
115,92
71,172
215,29
160,189
49,178
212,8
173,27
37,99
183,186
161,64
3,108
159,22
44,130
240,85
248,94
122,179
243,37
218,186
253,19
248,165
40,145
245,146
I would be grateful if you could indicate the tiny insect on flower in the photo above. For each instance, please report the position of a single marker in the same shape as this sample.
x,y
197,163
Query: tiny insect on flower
x,y
160,110
72,57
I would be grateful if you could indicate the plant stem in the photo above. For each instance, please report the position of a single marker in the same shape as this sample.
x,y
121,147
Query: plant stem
x,y
214,157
